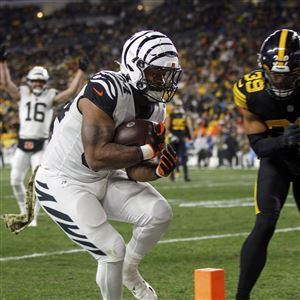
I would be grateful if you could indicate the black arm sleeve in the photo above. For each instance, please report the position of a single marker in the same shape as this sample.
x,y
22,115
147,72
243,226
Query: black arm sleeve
x,y
264,145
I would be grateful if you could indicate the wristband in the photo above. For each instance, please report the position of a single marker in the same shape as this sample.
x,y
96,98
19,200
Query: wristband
x,y
147,151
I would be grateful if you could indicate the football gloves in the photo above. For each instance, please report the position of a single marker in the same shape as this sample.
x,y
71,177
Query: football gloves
x,y
167,162
291,135
3,53
83,63
155,141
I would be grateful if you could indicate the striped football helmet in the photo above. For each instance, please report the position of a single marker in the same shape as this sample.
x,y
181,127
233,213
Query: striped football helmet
x,y
150,63
279,59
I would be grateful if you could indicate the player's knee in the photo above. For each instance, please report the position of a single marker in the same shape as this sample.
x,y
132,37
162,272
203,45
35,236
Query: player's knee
x,y
162,212
115,251
266,223
18,187
16,180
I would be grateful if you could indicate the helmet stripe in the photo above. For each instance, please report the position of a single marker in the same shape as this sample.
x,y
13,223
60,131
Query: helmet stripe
x,y
155,46
128,47
167,53
150,38
282,45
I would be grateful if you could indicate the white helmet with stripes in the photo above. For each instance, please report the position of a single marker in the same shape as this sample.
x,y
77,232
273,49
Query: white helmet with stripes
x,y
150,63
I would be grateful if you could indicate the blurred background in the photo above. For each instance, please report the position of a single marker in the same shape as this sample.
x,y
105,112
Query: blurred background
x,y
217,43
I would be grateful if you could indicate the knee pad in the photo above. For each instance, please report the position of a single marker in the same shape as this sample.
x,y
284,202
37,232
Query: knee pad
x,y
162,212
111,243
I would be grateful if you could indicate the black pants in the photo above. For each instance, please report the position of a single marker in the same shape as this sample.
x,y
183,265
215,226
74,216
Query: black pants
x,y
181,150
273,184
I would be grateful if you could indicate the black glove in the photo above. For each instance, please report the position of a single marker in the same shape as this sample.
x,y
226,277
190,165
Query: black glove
x,y
291,135
167,162
83,63
3,53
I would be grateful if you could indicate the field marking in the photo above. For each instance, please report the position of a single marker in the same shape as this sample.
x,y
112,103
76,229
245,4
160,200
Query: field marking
x,y
190,239
201,184
239,202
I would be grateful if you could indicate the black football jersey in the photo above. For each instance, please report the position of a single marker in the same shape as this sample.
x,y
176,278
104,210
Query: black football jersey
x,y
250,93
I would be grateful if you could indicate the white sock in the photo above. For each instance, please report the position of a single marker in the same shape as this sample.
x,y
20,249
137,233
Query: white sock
x,y
36,210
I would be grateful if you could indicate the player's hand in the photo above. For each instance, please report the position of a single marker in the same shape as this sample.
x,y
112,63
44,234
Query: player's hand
x,y
291,135
3,53
155,141
167,162
83,63
156,138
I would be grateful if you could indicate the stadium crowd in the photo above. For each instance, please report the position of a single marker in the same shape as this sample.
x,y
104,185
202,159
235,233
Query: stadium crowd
x,y
217,43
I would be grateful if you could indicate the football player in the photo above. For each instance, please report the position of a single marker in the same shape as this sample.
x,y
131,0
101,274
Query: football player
x,y
36,103
180,131
80,182
269,101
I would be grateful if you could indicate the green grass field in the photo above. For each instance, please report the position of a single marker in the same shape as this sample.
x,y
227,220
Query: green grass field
x,y
212,215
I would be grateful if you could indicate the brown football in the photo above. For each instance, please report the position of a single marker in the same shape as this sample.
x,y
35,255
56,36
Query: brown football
x,y
136,132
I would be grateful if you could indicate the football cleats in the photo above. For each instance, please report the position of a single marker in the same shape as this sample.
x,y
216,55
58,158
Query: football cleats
x,y
279,59
37,79
150,63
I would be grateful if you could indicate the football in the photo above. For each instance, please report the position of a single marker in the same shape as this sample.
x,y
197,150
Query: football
x,y
136,132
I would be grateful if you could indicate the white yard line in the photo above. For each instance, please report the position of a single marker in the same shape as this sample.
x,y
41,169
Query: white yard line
x,y
190,239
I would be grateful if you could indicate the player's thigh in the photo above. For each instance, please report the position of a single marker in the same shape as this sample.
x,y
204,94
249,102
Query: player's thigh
x,y
36,158
20,166
75,208
134,202
272,186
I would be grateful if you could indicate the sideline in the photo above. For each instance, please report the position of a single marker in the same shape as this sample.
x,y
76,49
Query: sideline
x,y
199,238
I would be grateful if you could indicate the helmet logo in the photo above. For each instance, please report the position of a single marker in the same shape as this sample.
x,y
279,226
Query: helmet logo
x,y
130,124
278,63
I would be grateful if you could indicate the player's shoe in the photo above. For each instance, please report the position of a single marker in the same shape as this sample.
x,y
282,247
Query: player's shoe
x,y
140,289
33,223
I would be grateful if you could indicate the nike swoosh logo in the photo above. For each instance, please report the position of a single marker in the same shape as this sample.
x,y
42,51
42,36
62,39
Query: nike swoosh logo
x,y
98,92
240,83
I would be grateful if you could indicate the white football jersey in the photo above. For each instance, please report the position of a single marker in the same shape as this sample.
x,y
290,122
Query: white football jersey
x,y
111,92
35,113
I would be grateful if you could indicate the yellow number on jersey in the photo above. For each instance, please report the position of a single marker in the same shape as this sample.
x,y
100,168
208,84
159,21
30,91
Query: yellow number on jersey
x,y
254,82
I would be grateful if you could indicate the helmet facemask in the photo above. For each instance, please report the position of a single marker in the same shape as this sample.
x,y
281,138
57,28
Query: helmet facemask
x,y
282,84
150,63
37,80
160,83
37,86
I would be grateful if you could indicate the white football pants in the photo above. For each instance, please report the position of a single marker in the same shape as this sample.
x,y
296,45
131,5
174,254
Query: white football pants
x,y
82,211
21,162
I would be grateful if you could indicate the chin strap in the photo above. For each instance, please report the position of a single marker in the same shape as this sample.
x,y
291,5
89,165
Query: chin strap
x,y
17,222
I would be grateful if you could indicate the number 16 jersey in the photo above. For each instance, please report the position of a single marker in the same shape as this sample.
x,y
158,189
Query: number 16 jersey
x,y
35,113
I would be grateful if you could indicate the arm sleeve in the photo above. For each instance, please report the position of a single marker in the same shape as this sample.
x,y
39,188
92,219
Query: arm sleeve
x,y
265,146
102,98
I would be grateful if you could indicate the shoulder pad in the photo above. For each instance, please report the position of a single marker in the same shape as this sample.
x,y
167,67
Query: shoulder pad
x,y
113,83
251,83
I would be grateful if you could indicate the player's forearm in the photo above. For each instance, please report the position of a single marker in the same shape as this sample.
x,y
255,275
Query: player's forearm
x,y
112,156
76,82
6,82
72,89
143,172
265,146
